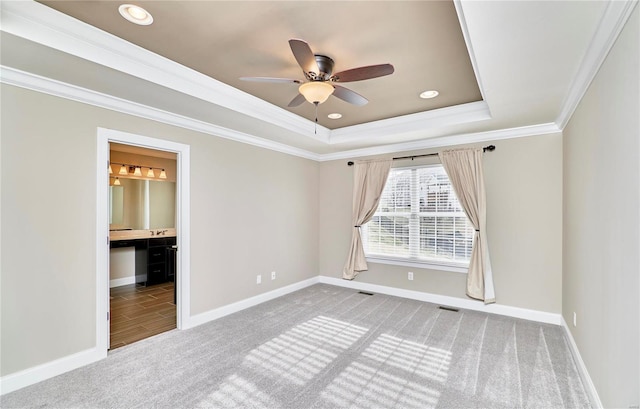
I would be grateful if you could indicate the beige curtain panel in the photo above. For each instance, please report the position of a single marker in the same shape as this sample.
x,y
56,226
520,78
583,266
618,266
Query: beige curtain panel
x,y
464,168
369,178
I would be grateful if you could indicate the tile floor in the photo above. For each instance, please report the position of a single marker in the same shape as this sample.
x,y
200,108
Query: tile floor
x,y
139,312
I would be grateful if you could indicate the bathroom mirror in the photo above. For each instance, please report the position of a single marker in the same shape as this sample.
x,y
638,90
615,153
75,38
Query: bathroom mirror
x,y
142,204
116,205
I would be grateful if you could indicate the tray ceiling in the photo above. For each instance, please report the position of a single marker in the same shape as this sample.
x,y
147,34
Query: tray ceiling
x,y
503,69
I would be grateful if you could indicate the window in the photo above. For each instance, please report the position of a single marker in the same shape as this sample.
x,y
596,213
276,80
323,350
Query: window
x,y
419,220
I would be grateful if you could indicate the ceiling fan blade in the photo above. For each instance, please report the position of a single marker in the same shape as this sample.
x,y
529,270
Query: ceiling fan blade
x,y
270,79
363,73
304,56
299,99
349,96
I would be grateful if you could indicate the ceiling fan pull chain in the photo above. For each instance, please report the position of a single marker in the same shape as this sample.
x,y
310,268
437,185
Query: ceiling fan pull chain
x,y
315,131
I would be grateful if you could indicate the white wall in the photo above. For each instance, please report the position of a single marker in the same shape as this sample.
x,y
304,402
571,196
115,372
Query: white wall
x,y
253,211
601,242
122,266
523,179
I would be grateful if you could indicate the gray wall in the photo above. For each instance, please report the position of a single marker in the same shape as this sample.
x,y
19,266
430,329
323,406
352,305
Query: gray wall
x,y
601,244
253,211
523,179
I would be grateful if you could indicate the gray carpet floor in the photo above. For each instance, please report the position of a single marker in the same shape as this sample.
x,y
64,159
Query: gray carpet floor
x,y
330,347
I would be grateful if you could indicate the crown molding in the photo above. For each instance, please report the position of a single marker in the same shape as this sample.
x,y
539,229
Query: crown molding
x,y
437,118
38,23
41,24
443,141
60,89
611,24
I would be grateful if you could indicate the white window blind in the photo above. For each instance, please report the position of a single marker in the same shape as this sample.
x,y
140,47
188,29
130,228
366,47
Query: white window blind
x,y
419,219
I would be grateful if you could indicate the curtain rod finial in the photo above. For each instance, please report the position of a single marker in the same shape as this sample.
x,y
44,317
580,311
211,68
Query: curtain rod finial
x,y
489,148
349,163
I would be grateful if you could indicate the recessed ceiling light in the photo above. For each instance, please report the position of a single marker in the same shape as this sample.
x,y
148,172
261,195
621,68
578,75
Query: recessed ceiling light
x,y
135,14
334,116
429,94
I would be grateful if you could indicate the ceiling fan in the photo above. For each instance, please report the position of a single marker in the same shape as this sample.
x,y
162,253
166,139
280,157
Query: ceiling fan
x,y
320,79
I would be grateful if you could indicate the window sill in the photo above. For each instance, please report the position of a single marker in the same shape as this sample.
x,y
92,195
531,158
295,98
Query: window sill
x,y
456,268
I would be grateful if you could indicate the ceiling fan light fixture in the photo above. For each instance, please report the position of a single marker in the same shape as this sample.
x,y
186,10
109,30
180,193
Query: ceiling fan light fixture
x,y
316,91
429,94
135,14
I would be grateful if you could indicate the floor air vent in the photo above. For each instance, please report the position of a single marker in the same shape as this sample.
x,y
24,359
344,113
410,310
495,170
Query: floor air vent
x,y
362,292
448,308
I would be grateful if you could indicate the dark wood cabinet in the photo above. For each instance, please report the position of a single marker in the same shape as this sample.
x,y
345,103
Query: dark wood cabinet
x,y
158,259
155,262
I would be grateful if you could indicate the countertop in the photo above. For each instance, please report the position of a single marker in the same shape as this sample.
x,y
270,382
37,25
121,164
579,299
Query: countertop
x,y
116,235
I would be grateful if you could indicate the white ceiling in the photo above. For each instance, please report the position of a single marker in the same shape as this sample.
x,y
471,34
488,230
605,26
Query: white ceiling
x,y
533,61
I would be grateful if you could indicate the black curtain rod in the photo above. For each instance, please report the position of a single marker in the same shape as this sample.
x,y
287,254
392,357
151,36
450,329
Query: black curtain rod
x,y
486,148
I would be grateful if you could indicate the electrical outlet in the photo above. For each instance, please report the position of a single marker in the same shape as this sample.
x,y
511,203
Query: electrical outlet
x,y
273,275
410,275
258,279
575,319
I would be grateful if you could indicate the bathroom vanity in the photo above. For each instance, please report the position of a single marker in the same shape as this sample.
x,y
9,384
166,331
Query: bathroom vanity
x,y
154,253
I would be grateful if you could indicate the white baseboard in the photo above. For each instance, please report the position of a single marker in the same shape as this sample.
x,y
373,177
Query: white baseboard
x,y
30,376
589,387
48,370
516,312
246,303
21,379
117,282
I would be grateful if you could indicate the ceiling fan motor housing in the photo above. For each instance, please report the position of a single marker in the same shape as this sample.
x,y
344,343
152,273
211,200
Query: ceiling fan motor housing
x,y
325,68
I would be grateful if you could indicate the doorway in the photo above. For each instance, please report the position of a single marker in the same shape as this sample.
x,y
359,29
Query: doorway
x,y
143,242
157,283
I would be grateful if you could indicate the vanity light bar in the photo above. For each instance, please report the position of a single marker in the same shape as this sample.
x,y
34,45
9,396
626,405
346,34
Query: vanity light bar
x,y
136,170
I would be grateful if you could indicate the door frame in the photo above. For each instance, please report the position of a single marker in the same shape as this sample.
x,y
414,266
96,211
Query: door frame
x,y
183,223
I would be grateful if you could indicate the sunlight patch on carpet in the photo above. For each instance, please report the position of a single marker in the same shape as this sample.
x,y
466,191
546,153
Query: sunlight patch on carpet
x,y
303,351
362,386
426,361
238,392
371,380
295,357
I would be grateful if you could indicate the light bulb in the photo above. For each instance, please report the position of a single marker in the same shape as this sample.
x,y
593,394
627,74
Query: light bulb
x,y
135,14
116,182
429,94
163,175
123,170
137,172
150,173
